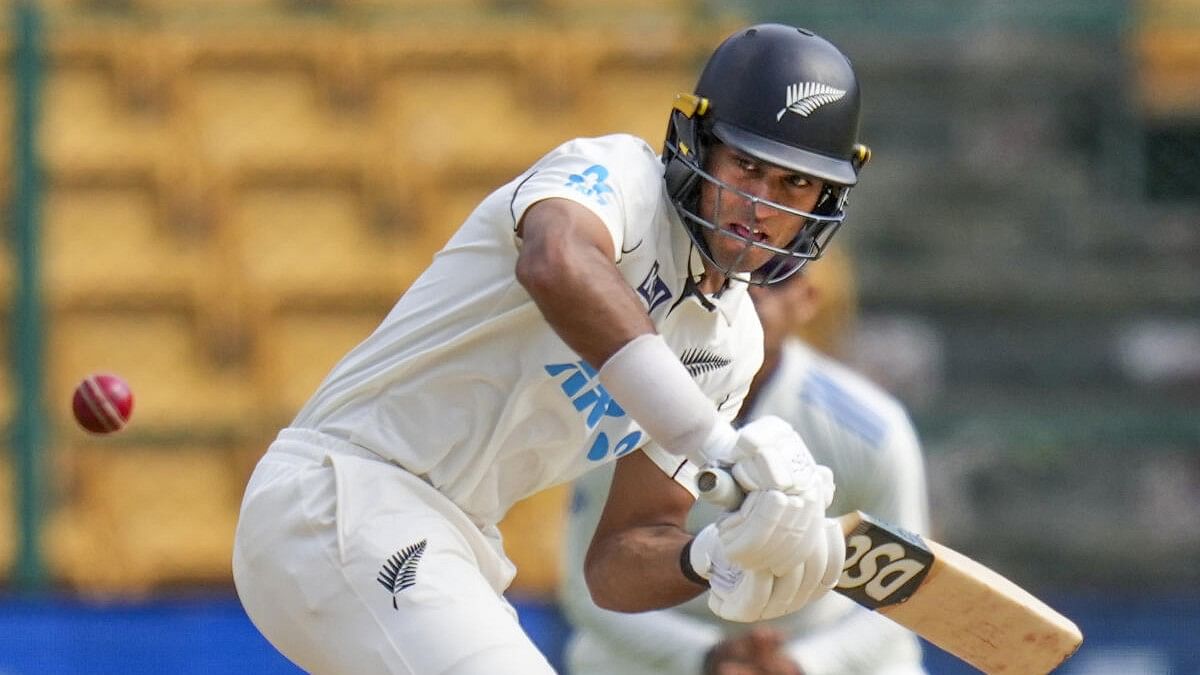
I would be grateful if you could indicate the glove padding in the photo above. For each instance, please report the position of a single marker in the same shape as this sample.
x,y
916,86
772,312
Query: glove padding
x,y
770,455
772,530
778,525
749,595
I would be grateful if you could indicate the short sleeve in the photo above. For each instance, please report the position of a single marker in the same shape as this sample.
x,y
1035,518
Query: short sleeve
x,y
616,177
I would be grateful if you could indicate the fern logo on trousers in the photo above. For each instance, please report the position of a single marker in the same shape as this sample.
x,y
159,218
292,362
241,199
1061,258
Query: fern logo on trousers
x,y
400,570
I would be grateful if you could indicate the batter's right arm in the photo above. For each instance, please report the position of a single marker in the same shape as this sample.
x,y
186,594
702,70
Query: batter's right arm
x,y
566,265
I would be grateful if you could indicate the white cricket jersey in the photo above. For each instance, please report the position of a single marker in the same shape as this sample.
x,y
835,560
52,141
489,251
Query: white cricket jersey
x,y
850,425
466,385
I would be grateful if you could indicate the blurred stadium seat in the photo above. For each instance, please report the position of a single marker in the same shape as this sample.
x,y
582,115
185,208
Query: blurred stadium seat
x,y
633,93
533,531
137,519
1168,67
102,113
106,242
8,517
238,190
462,116
179,387
263,104
314,240
298,347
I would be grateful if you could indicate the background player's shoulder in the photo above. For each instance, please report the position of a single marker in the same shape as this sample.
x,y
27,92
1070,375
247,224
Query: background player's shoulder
x,y
851,399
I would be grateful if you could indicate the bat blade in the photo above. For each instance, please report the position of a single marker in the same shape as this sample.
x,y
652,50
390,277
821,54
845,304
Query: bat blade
x,y
961,606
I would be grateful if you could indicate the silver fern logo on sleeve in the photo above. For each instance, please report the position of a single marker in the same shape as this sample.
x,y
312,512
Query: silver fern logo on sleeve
x,y
805,97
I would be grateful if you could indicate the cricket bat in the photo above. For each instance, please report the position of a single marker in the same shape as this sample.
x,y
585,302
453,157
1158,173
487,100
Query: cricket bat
x,y
959,605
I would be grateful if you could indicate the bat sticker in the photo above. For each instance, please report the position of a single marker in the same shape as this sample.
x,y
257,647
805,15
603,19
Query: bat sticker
x,y
884,566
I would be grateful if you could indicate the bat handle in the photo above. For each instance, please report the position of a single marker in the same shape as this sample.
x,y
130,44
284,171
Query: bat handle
x,y
718,486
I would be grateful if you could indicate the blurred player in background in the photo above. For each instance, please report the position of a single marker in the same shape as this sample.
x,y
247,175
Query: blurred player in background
x,y
849,425
593,310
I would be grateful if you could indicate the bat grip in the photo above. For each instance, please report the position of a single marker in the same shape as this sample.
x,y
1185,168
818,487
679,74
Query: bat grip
x,y
717,486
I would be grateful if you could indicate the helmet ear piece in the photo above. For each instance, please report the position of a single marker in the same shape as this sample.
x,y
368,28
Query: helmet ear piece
x,y
680,146
684,143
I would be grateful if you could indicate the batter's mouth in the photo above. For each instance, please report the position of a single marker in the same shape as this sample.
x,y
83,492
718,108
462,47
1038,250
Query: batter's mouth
x,y
746,232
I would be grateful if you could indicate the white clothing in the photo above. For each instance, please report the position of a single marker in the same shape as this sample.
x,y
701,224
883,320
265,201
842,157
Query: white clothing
x,y
462,402
322,520
466,384
849,425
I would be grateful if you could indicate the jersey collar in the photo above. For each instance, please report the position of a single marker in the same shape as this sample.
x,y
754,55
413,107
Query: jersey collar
x,y
689,264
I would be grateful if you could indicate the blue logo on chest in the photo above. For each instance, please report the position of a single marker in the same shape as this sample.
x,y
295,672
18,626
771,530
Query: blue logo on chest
x,y
591,399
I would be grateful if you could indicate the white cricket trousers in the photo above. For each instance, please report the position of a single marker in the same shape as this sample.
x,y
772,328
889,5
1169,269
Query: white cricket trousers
x,y
350,565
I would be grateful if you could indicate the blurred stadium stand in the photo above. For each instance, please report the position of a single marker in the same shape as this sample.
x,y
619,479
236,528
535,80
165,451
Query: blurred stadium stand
x,y
237,190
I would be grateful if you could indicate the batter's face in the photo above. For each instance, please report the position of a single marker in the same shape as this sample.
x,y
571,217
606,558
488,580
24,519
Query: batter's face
x,y
735,214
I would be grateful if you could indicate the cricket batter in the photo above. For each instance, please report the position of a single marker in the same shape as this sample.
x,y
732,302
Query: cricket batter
x,y
850,425
593,310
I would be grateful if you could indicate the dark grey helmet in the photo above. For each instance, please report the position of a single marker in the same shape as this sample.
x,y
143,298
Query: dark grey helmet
x,y
785,96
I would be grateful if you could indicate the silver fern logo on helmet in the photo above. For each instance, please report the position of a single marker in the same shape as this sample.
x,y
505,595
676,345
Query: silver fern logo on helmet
x,y
805,97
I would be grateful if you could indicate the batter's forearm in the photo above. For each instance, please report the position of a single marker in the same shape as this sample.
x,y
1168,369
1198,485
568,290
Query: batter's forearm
x,y
637,570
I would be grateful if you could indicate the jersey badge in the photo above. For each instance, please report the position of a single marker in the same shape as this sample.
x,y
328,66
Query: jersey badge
x,y
591,183
653,289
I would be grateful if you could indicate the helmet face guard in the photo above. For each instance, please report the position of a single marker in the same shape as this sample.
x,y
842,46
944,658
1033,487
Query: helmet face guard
x,y
799,112
818,226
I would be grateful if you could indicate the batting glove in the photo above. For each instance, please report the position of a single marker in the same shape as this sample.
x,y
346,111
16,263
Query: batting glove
x,y
770,455
749,595
779,523
812,578
771,530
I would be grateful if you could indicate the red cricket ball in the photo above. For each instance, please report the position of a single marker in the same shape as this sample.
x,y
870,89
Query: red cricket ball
x,y
102,403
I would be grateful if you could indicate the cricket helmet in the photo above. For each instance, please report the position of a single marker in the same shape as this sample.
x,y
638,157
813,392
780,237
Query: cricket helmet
x,y
784,96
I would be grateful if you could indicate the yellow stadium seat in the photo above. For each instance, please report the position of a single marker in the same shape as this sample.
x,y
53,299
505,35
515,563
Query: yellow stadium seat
x,y
105,243
8,518
133,519
6,378
308,242
635,100
633,77
178,386
469,115
298,348
447,202
255,111
533,536
88,127
1168,70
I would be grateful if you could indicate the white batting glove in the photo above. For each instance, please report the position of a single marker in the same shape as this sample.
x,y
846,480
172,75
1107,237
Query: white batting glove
x,y
770,455
734,594
779,523
811,579
749,595
771,530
